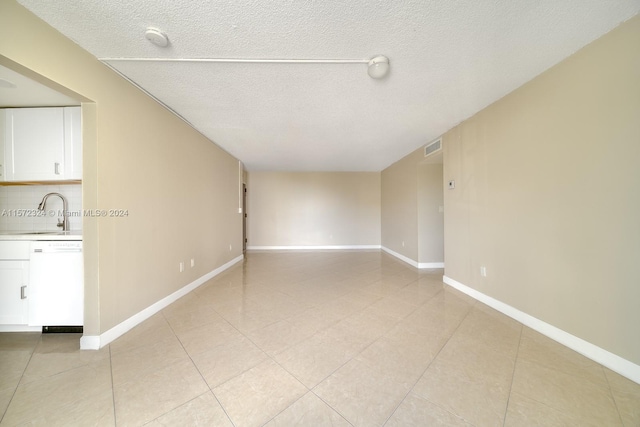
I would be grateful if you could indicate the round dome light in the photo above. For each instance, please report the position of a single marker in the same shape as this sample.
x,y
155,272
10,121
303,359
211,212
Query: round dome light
x,y
378,67
156,37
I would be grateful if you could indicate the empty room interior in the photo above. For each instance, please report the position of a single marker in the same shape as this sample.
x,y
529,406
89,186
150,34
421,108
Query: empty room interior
x,y
354,214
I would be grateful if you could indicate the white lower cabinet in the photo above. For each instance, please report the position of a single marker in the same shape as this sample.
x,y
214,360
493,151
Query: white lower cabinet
x,y
14,280
14,277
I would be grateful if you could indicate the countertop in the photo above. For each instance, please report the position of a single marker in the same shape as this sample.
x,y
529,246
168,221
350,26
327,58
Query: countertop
x,y
40,235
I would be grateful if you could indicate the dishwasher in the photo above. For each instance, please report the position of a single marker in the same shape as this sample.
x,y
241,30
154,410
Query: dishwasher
x,y
56,284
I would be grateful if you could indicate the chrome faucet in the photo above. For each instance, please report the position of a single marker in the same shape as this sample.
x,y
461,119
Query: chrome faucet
x,y
65,213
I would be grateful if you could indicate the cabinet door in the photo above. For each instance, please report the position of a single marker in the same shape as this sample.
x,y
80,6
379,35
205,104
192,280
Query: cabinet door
x,y
34,144
14,276
2,137
72,143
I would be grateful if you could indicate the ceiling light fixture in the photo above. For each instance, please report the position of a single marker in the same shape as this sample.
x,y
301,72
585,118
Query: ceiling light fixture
x,y
156,37
378,67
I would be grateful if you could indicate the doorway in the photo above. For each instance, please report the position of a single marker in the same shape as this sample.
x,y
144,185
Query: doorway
x,y
244,218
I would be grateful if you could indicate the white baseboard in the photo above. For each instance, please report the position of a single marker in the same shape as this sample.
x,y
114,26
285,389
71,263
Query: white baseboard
x,y
95,342
612,361
431,265
401,257
411,262
310,247
20,328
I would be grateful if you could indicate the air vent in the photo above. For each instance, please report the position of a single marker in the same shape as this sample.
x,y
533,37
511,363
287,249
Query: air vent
x,y
433,147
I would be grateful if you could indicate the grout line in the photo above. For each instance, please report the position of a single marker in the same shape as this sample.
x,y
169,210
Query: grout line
x,y
113,388
20,380
513,374
613,397
332,408
199,372
431,362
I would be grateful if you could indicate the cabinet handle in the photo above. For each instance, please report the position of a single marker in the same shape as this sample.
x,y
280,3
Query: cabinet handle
x,y
57,167
23,294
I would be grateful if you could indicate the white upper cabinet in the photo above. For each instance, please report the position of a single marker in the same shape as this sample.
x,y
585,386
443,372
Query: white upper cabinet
x,y
42,144
72,143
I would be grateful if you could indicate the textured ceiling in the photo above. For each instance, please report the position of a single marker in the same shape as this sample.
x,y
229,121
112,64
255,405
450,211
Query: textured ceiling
x,y
449,59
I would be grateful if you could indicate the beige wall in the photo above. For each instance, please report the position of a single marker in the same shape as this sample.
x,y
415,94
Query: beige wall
x,y
548,195
411,195
430,217
180,189
399,226
313,208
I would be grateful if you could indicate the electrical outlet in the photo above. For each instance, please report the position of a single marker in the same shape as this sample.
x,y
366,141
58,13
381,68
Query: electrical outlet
x,y
193,262
230,248
452,185
483,271
403,243
181,266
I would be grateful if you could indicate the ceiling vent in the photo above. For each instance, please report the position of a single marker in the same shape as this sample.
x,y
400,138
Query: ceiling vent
x,y
433,147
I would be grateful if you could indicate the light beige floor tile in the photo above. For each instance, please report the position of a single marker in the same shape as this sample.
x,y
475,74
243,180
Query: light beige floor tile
x,y
384,288
472,385
364,395
572,395
443,312
359,330
146,398
453,292
273,299
279,336
336,309
391,307
203,411
208,336
311,321
314,359
626,394
360,299
19,340
228,360
383,341
57,353
322,316
259,394
96,410
249,320
536,348
418,292
40,399
309,410
416,411
523,411
139,361
152,330
13,363
237,306
491,330
186,319
220,296
5,398
407,361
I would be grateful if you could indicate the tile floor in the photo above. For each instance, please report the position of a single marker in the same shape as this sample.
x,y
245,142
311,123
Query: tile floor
x,y
314,339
